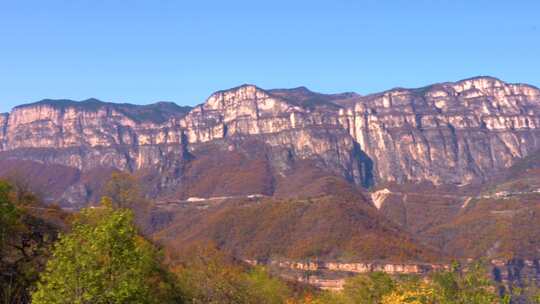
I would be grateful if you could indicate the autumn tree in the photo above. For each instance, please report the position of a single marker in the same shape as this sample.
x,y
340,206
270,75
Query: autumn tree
x,y
471,285
123,189
9,215
265,289
207,275
9,218
103,260
368,288
412,290
26,236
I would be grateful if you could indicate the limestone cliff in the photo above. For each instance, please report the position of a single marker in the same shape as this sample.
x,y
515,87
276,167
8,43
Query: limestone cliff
x,y
444,133
3,128
447,133
91,133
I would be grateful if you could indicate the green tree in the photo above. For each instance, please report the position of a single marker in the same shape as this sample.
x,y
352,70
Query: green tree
x,y
265,289
102,260
475,286
412,290
9,218
470,285
9,215
207,275
368,288
446,285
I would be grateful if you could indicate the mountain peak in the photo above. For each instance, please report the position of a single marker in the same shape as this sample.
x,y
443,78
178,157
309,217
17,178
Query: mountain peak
x,y
242,87
481,81
224,98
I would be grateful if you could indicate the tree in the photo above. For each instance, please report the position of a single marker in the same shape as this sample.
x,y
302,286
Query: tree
x,y
446,286
475,286
264,289
368,288
123,189
420,294
26,237
9,215
410,290
102,260
9,218
207,275
469,286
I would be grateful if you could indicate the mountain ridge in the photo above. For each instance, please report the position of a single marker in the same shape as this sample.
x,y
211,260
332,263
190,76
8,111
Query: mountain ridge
x,y
71,102
399,175
304,88
454,132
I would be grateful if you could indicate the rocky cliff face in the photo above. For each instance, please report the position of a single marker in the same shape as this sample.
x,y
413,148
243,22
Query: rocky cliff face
x,y
515,273
332,275
445,133
90,134
3,128
293,131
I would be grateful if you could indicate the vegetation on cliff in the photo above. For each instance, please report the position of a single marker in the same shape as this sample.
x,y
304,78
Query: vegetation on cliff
x,y
443,287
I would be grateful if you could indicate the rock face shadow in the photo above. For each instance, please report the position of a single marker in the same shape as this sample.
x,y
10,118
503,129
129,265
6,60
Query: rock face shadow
x,y
365,166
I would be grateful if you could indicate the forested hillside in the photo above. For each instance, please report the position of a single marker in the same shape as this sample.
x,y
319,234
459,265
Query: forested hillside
x,y
98,255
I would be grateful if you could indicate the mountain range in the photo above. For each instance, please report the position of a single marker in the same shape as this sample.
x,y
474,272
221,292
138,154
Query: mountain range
x,y
450,170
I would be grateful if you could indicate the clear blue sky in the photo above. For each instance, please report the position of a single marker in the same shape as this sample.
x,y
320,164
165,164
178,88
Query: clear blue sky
x,y
182,51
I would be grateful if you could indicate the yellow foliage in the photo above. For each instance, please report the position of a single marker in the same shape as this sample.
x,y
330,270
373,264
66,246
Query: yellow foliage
x,y
418,294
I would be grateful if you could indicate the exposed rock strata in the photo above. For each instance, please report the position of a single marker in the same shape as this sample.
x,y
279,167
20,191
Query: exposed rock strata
x,y
516,273
3,128
445,133
390,268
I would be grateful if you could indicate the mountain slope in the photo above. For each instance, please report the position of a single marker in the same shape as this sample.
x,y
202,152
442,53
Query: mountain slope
x,y
339,223
502,221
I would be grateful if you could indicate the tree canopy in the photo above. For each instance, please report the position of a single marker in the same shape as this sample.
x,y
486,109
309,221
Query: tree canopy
x,y
103,260
206,275
472,286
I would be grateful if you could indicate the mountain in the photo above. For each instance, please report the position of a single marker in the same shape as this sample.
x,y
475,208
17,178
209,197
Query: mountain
x,y
448,133
501,221
327,220
403,180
